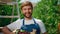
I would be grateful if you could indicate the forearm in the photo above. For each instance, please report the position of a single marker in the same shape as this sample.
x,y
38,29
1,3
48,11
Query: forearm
x,y
45,33
6,31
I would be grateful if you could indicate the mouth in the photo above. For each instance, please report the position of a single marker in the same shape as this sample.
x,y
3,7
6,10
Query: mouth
x,y
28,15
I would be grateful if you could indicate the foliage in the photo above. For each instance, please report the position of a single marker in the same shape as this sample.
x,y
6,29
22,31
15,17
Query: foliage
x,y
47,11
6,10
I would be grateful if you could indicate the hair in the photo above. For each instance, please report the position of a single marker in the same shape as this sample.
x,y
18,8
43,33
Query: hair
x,y
27,3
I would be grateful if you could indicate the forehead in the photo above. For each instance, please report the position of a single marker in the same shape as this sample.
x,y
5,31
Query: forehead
x,y
26,7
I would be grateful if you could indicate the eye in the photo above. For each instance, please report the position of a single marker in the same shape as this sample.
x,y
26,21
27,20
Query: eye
x,y
29,8
24,9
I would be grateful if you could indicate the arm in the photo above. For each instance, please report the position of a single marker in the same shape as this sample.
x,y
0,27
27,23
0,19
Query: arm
x,y
45,33
11,27
5,30
42,27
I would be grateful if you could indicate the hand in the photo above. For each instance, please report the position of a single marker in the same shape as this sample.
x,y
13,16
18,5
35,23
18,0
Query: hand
x,y
33,32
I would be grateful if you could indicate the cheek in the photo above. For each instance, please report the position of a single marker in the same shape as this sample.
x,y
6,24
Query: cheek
x,y
23,11
30,11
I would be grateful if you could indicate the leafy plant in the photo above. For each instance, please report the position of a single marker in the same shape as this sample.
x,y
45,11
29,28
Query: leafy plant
x,y
47,11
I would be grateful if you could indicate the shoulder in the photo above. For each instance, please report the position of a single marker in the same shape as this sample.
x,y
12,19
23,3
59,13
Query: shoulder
x,y
15,25
19,20
38,20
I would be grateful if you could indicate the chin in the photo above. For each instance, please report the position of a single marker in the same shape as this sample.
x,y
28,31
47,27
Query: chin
x,y
27,17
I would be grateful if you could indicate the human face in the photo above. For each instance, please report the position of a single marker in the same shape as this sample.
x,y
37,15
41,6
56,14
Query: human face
x,y
27,11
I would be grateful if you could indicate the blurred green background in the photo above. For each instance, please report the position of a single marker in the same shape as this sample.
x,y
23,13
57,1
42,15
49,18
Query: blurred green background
x,y
46,10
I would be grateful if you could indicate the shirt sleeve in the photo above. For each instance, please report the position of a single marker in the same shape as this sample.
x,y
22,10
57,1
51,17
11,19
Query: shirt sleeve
x,y
13,25
42,27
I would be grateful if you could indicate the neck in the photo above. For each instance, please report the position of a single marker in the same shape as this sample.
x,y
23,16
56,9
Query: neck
x,y
28,18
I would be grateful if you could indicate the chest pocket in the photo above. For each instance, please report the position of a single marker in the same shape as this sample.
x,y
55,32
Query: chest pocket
x,y
29,28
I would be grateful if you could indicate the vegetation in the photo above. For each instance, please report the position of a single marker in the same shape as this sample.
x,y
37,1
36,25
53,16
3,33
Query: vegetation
x,y
46,10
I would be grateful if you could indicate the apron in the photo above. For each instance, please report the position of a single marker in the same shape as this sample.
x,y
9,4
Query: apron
x,y
29,28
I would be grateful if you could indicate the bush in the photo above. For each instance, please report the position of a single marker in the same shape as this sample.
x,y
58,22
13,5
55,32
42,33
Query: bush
x,y
47,11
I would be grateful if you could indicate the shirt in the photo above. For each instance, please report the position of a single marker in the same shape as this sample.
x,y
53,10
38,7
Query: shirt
x,y
19,22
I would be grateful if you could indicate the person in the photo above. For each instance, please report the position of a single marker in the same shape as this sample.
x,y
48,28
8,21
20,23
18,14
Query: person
x,y
28,22
58,30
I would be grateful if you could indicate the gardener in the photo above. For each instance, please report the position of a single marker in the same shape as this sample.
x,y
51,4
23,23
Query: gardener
x,y
28,22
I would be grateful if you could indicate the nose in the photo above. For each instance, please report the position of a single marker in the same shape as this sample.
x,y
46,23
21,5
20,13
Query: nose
x,y
27,10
